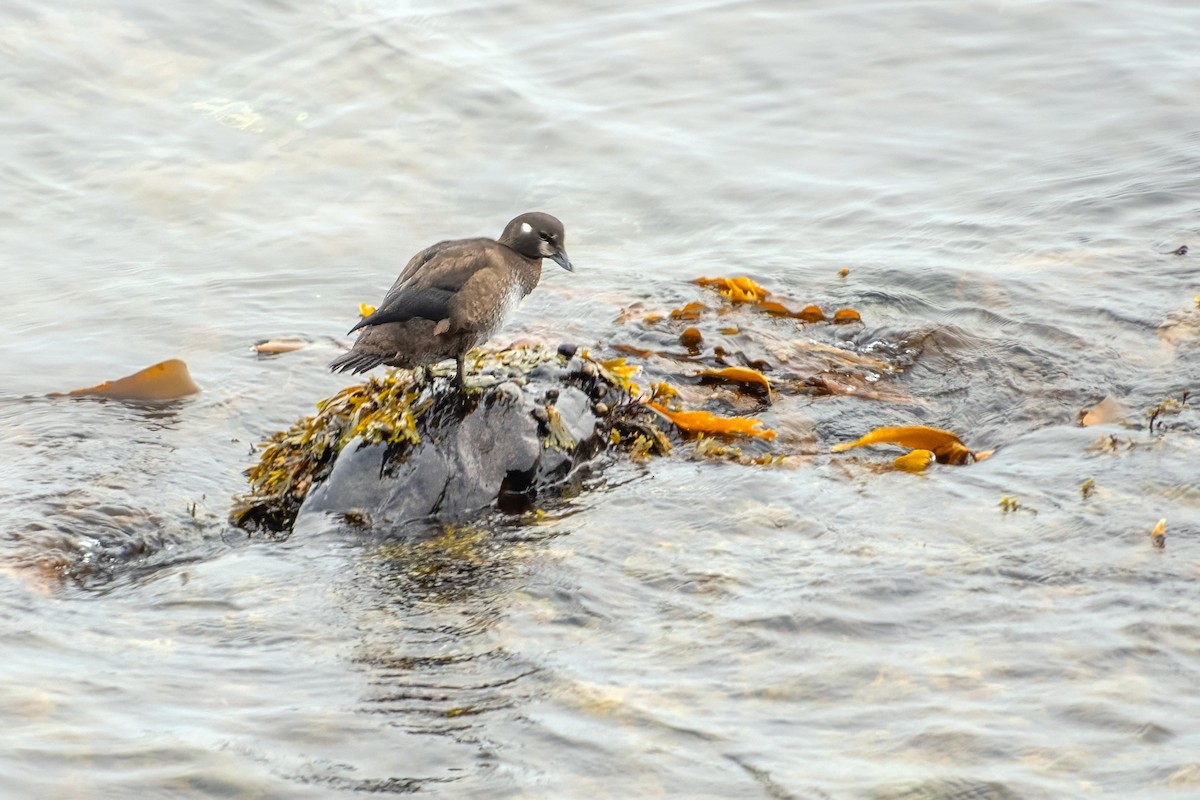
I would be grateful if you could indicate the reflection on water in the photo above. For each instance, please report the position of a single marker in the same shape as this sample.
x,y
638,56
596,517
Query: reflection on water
x,y
1007,188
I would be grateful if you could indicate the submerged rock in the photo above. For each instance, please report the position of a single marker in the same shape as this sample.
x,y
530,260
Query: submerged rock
x,y
398,450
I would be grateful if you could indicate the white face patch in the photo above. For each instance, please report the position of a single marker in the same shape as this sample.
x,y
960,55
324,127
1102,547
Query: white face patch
x,y
525,228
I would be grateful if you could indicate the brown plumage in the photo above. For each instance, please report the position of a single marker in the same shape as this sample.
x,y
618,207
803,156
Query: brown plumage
x,y
454,295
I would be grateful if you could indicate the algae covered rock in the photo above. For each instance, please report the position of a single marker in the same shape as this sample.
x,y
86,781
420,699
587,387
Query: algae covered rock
x,y
485,449
396,450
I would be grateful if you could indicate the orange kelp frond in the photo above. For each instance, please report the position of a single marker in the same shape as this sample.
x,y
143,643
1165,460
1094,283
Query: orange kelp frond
x,y
166,380
914,460
744,291
737,290
945,445
1158,536
778,309
743,376
810,314
690,312
704,422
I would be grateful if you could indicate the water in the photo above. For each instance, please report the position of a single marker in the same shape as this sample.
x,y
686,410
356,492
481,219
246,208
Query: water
x,y
1005,183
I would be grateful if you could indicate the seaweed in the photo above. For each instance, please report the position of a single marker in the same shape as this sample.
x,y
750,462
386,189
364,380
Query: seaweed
x,y
384,410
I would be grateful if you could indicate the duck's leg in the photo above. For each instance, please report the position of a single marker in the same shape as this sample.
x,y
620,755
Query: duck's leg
x,y
459,380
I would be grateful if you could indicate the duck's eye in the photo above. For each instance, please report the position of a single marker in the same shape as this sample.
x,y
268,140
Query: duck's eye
x,y
546,237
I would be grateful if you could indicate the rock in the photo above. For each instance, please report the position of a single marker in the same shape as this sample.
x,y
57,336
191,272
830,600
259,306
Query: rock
x,y
489,453
395,451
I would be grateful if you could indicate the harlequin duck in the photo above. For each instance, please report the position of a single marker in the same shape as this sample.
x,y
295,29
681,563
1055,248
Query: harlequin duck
x,y
454,295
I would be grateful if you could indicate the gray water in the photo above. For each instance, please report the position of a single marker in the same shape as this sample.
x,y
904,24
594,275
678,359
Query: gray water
x,y
1005,182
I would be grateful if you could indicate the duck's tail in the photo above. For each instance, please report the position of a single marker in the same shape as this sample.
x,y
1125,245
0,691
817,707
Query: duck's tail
x,y
356,361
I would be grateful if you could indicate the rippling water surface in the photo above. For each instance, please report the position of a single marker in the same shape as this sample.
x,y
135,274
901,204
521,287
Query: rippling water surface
x,y
1006,183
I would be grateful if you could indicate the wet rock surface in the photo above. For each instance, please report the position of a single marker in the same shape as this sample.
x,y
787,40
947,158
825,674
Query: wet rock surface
x,y
476,453
396,450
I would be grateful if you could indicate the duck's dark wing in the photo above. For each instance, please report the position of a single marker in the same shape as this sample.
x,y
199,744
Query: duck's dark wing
x,y
431,302
429,282
422,258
